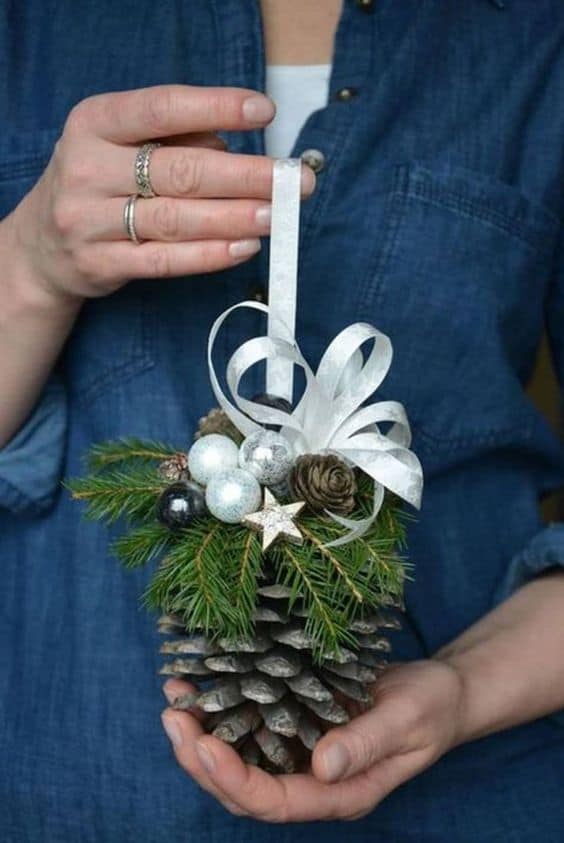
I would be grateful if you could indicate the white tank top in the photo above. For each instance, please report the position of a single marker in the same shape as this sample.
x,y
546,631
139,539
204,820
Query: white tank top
x,y
297,91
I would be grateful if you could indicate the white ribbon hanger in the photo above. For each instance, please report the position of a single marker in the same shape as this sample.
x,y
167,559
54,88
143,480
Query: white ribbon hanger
x,y
330,416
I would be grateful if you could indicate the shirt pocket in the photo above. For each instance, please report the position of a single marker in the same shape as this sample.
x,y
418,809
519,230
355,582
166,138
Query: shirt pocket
x,y
112,339
457,281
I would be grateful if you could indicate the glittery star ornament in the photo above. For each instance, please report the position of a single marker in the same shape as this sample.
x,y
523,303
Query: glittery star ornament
x,y
275,521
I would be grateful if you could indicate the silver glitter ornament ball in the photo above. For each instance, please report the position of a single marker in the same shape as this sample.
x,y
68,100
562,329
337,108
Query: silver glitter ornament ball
x,y
211,454
232,494
267,455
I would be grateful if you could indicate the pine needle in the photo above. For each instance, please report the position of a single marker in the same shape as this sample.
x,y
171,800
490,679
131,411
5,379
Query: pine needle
x,y
122,450
118,492
142,545
210,578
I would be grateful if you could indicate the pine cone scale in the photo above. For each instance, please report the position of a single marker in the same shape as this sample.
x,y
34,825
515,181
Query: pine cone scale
x,y
271,700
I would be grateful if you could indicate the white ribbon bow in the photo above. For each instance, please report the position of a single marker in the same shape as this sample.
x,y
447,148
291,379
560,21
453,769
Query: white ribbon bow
x,y
329,417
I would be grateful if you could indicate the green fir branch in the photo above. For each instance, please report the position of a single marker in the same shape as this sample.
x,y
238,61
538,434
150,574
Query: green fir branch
x,y
340,584
123,450
325,623
333,559
246,565
143,544
118,492
210,570
209,578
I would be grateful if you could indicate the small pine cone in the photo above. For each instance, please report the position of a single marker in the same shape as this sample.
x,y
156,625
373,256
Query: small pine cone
x,y
217,421
175,468
325,482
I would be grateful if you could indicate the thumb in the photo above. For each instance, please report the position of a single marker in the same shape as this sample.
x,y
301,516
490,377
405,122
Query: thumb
x,y
377,734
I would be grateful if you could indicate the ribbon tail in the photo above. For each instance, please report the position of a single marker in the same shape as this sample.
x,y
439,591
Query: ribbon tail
x,y
357,528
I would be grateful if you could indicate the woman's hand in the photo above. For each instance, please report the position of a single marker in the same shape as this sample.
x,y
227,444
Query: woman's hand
x,y
211,205
66,239
415,720
504,670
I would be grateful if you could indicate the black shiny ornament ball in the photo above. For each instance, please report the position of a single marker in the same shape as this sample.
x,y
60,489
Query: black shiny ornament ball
x,y
275,402
180,505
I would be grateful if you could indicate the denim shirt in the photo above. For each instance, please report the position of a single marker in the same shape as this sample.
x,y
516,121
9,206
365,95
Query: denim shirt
x,y
437,218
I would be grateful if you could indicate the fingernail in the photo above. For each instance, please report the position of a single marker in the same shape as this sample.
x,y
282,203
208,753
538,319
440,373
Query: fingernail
x,y
258,110
263,216
206,758
169,694
336,760
172,729
244,248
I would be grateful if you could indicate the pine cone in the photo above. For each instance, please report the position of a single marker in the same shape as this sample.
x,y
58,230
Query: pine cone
x,y
325,482
175,468
217,421
267,696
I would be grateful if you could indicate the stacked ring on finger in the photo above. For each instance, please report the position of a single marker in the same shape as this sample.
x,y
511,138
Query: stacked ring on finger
x,y
129,218
142,175
144,188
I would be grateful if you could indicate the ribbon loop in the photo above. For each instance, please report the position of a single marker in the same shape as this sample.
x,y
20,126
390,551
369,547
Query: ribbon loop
x,y
329,417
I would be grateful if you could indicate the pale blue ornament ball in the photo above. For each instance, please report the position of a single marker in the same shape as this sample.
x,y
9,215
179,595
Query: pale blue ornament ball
x,y
232,494
268,455
210,454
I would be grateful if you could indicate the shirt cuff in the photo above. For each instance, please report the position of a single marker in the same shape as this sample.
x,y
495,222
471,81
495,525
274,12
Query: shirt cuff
x,y
31,463
544,552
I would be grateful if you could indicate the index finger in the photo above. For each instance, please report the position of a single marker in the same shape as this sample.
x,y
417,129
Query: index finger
x,y
161,110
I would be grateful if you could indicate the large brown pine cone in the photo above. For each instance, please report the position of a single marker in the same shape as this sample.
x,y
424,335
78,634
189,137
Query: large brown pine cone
x,y
325,482
266,695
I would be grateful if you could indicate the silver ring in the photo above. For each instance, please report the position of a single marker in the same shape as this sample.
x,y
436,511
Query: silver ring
x,y
129,218
142,177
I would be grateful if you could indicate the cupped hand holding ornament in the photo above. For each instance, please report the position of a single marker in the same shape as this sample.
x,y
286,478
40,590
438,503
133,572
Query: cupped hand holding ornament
x,y
417,716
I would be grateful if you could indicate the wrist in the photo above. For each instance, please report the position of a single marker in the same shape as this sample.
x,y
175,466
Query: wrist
x,y
25,291
463,726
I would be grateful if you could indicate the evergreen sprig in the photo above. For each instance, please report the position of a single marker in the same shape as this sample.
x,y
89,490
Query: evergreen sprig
x,y
119,491
143,544
209,578
209,571
340,584
125,450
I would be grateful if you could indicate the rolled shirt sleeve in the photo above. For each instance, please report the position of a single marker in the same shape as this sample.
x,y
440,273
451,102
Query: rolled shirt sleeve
x,y
31,464
545,551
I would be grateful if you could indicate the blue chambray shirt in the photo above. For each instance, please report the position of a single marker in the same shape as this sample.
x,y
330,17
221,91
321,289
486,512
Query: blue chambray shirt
x,y
437,218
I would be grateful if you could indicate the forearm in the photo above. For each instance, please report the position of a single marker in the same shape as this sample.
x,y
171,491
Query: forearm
x,y
511,661
33,327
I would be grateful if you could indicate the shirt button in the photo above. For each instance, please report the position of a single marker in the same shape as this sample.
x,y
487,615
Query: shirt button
x,y
257,292
346,94
365,5
314,158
